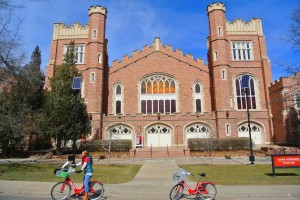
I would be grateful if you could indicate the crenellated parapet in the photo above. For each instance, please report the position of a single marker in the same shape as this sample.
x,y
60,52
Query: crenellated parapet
x,y
97,9
277,81
240,27
216,6
294,77
76,30
157,46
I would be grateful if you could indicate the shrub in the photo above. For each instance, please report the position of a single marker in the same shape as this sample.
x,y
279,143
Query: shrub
x,y
224,144
102,145
220,144
240,143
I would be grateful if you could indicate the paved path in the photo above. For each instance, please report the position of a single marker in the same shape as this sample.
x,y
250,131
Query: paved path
x,y
154,181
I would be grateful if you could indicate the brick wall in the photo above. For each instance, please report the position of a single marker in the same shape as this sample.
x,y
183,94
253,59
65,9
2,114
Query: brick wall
x,y
219,106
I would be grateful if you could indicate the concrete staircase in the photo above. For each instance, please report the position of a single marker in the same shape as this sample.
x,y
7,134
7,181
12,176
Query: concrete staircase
x,y
160,152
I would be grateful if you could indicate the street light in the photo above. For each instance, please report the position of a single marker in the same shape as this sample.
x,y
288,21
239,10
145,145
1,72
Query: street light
x,y
245,88
76,86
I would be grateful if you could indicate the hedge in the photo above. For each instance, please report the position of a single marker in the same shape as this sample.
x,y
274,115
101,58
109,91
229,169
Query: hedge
x,y
116,145
219,144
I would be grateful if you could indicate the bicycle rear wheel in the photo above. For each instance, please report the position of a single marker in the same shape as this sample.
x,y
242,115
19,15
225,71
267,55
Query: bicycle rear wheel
x,y
209,193
176,192
96,190
60,191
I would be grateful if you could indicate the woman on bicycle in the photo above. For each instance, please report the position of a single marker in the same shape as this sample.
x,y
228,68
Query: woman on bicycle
x,y
87,166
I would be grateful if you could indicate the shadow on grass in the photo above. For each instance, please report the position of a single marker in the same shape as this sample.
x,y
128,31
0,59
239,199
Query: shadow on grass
x,y
282,174
236,161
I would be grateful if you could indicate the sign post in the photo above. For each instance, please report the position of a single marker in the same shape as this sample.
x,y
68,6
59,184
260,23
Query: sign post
x,y
76,86
285,161
245,88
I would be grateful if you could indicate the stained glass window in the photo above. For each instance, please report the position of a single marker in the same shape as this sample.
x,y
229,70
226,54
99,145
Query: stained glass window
x,y
158,94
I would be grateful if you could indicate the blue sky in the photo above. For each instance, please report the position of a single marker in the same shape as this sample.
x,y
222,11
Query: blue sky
x,y
183,24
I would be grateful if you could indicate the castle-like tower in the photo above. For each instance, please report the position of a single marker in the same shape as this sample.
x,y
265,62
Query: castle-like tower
x,y
234,49
92,61
146,97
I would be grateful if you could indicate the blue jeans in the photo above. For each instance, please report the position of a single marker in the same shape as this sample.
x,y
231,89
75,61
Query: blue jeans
x,y
86,181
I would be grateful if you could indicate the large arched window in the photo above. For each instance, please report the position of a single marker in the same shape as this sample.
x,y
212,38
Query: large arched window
x,y
158,94
118,98
252,93
197,95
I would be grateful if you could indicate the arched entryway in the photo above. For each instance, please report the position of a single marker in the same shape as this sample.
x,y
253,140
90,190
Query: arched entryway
x,y
257,133
120,132
159,135
197,130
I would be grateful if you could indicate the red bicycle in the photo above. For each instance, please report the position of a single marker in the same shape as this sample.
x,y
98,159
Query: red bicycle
x,y
203,190
62,190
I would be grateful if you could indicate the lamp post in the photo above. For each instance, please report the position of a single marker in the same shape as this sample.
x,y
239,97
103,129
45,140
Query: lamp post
x,y
76,86
245,88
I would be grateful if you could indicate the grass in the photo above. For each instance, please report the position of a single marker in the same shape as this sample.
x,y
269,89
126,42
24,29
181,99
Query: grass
x,y
113,174
245,174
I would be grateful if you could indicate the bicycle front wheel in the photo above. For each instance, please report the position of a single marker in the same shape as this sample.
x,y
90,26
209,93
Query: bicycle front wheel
x,y
96,190
209,193
60,191
176,192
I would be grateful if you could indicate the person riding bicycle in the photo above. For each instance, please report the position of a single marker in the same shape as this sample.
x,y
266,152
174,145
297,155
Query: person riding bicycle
x,y
87,167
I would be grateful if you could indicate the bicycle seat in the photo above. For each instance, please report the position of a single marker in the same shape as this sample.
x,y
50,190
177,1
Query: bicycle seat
x,y
202,174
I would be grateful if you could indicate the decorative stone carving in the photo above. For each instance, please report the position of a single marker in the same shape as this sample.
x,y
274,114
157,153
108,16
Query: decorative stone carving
x,y
240,27
76,30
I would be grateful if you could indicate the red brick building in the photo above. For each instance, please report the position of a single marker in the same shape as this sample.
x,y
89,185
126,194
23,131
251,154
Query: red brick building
x,y
285,104
160,97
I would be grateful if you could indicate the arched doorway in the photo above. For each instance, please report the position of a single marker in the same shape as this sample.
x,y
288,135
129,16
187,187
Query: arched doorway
x,y
197,130
119,132
256,132
159,135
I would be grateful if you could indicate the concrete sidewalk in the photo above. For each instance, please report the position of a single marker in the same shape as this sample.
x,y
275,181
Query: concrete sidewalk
x,y
154,181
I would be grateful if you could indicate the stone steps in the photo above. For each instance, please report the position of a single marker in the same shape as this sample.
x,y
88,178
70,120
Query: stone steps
x,y
160,152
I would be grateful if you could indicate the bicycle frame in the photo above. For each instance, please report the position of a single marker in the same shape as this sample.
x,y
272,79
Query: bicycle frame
x,y
199,189
78,191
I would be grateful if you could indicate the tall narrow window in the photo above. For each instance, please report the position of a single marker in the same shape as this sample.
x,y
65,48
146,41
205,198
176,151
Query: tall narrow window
x,y
118,99
220,32
228,129
241,50
252,96
158,94
99,58
79,51
224,74
215,55
94,34
197,94
92,77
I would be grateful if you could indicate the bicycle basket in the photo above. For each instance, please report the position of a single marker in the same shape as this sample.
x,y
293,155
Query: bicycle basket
x,y
62,174
178,176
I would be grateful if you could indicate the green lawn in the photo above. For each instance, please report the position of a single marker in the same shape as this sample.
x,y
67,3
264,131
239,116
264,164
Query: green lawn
x,y
44,172
219,174
245,174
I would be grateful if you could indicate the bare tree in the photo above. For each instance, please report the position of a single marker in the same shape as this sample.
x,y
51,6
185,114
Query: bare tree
x,y
294,35
210,144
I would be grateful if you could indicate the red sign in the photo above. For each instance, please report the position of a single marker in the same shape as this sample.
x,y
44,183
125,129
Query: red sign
x,y
286,161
